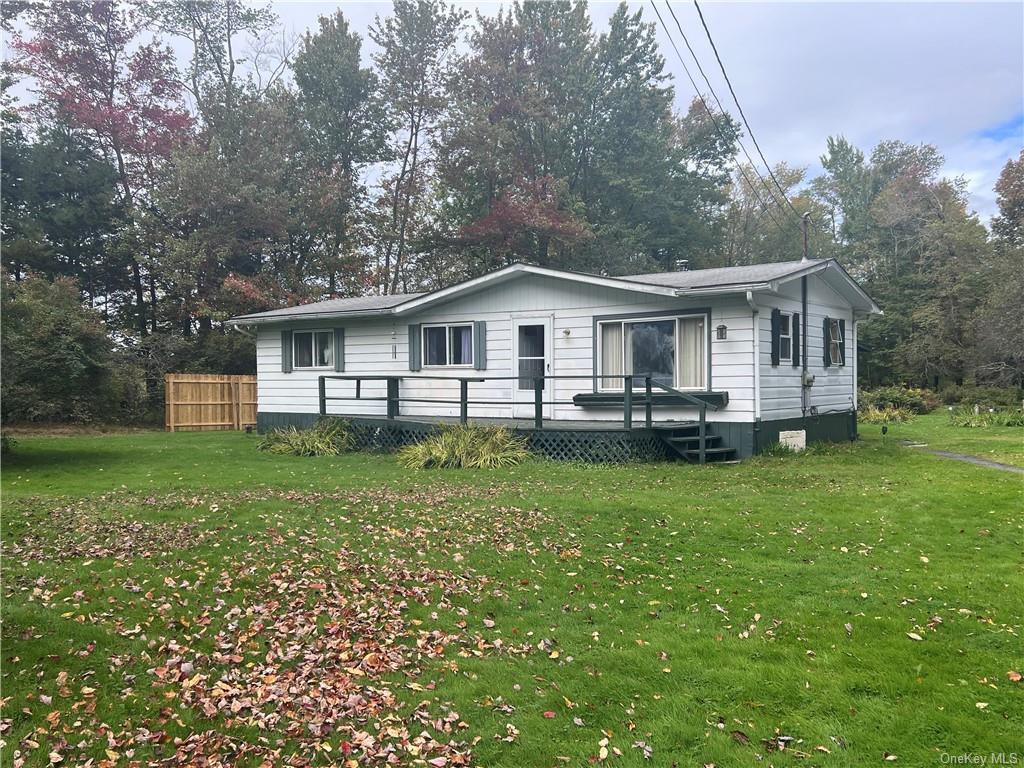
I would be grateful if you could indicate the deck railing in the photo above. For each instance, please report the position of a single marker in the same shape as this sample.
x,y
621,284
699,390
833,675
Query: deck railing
x,y
630,398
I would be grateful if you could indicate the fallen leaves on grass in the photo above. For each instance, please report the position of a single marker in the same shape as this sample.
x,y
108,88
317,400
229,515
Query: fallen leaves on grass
x,y
305,654
77,531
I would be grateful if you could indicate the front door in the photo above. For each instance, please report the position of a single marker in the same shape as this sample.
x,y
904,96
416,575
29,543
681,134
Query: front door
x,y
531,351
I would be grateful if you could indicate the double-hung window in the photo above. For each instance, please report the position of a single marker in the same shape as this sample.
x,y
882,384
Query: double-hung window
x,y
448,345
313,349
671,350
835,342
785,337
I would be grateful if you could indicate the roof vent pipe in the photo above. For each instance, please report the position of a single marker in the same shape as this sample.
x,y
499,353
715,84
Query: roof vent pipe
x,y
804,221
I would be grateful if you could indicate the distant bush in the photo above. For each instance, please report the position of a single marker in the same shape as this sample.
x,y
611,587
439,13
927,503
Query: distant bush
x,y
7,444
886,415
330,437
56,354
471,447
996,417
911,398
986,397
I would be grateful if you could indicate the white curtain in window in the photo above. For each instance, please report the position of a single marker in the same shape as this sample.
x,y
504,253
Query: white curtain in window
x,y
611,354
691,353
466,345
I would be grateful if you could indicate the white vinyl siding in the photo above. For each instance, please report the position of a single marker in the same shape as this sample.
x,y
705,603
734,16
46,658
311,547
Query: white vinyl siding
x,y
833,388
379,346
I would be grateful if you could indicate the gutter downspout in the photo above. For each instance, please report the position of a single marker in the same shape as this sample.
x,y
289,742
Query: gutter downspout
x,y
804,386
755,318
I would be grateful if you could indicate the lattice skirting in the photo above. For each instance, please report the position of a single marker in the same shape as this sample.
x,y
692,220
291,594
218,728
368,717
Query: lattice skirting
x,y
595,446
584,445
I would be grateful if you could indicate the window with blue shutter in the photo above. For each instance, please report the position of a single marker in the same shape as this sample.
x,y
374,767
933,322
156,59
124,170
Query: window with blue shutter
x,y
286,351
339,350
414,347
480,345
776,330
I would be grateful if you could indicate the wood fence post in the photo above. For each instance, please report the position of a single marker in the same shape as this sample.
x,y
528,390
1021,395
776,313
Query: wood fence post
x,y
169,402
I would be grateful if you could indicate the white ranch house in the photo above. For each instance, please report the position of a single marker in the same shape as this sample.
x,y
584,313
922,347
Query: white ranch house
x,y
767,349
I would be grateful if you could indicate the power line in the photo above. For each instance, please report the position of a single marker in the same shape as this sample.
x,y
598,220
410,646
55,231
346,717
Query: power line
x,y
714,122
753,165
750,131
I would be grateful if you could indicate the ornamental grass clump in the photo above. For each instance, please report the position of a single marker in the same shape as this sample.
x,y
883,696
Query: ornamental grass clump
x,y
992,417
466,446
887,415
329,437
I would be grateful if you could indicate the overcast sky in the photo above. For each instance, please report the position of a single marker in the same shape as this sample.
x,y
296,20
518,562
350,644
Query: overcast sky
x,y
949,74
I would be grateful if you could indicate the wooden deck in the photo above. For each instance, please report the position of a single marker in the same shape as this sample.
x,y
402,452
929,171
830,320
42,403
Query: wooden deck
x,y
523,425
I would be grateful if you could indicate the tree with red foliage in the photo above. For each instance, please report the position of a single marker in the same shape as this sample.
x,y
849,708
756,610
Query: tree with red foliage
x,y
93,73
529,218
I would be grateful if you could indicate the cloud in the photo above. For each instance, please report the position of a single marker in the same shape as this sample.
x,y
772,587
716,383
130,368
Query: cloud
x,y
946,74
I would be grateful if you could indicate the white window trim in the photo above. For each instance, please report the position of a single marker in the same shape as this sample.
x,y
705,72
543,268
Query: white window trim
x,y
448,344
835,336
313,332
786,358
653,319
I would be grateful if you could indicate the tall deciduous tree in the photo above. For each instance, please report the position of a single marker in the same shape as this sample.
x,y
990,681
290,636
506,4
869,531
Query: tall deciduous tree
x,y
345,127
561,147
999,323
417,44
96,72
218,32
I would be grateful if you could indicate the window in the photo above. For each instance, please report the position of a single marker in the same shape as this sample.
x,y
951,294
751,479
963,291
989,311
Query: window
x,y
313,349
786,337
835,342
671,350
448,345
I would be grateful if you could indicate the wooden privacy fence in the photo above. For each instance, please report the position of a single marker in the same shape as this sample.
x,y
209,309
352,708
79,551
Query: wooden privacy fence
x,y
209,401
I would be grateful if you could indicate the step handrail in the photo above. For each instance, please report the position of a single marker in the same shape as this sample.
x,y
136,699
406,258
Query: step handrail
x,y
702,410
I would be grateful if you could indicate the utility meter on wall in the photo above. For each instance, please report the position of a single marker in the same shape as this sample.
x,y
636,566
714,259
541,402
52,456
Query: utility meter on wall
x,y
806,378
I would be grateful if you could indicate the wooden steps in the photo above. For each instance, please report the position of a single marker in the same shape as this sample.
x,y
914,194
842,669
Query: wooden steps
x,y
684,440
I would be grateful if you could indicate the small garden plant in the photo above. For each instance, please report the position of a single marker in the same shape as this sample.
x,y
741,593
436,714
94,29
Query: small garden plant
x,y
466,446
885,415
329,437
986,417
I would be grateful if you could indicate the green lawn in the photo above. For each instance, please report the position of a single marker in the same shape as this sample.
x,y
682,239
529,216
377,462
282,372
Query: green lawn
x,y
1002,444
177,596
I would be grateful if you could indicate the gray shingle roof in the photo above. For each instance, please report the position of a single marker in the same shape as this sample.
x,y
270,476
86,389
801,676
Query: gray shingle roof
x,y
367,304
723,276
720,277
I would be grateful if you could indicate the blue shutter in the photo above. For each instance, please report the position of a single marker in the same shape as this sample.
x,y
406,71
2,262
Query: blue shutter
x,y
414,347
339,349
286,351
776,334
480,345
826,337
794,331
